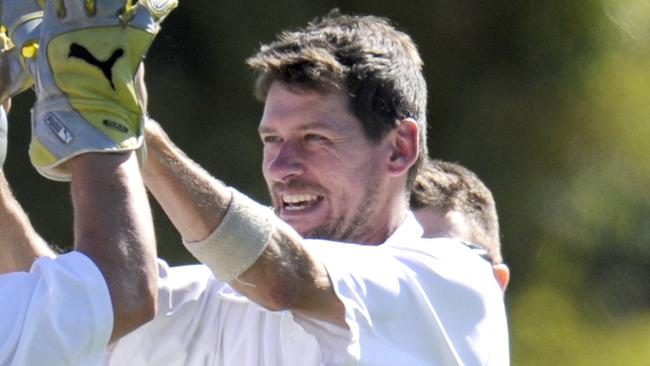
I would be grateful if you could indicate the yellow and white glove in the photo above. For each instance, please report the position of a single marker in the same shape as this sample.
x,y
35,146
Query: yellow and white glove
x,y
86,100
19,32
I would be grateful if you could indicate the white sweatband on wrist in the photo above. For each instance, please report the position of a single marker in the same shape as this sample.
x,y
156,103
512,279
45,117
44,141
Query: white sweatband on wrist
x,y
238,241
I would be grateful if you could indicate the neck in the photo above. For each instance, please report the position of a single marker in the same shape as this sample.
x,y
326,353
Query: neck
x,y
392,216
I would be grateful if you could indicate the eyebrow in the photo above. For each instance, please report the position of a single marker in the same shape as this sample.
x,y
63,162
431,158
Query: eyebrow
x,y
316,125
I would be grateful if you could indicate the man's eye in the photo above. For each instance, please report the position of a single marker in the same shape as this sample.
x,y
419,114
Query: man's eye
x,y
270,139
314,137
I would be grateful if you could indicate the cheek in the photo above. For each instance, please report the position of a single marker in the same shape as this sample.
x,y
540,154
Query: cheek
x,y
346,186
267,158
266,174
267,153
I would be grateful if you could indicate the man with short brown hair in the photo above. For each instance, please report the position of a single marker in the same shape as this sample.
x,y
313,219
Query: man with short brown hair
x,y
343,131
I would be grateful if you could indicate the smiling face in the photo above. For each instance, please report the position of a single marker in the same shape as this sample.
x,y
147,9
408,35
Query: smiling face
x,y
325,177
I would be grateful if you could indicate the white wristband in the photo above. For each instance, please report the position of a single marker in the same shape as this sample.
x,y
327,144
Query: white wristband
x,y
238,241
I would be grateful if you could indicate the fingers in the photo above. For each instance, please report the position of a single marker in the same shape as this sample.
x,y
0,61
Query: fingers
x,y
73,10
124,10
159,8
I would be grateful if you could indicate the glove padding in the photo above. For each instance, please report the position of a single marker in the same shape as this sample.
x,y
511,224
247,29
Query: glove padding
x,y
86,99
3,136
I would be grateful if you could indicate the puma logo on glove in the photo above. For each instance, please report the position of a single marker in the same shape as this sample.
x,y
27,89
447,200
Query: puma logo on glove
x,y
106,67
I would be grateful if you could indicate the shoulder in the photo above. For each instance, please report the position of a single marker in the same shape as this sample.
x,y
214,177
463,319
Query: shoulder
x,y
438,286
48,304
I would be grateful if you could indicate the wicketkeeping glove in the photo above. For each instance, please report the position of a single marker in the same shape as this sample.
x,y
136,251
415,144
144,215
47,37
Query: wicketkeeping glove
x,y
89,53
20,29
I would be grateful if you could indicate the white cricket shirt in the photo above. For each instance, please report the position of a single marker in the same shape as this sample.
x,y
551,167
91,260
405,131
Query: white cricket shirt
x,y
415,301
410,301
59,313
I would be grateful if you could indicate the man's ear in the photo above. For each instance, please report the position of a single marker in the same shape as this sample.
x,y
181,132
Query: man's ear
x,y
405,146
502,274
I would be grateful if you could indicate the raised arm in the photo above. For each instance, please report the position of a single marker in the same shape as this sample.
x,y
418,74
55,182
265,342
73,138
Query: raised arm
x,y
86,125
113,226
278,273
20,245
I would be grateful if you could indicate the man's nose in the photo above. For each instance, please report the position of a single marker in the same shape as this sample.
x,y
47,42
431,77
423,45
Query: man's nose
x,y
287,162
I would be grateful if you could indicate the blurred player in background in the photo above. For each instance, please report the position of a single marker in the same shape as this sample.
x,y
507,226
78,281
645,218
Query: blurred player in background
x,y
451,201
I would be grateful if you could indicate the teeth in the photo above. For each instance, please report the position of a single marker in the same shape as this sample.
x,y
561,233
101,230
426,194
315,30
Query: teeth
x,y
298,198
294,208
297,202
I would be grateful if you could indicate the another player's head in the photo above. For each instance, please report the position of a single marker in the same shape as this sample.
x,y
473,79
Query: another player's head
x,y
344,125
451,201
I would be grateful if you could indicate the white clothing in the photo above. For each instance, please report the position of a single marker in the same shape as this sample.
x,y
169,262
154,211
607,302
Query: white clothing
x,y
202,321
59,313
410,301
415,301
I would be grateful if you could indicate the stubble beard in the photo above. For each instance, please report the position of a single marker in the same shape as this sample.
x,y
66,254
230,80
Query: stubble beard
x,y
358,227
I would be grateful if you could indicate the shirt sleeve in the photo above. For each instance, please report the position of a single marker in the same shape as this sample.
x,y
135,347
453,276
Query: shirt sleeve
x,y
433,302
60,313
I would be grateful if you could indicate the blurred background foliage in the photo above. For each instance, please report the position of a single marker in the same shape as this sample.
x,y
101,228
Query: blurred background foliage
x,y
547,101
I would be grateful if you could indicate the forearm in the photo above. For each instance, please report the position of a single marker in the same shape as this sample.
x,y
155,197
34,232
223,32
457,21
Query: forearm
x,y
194,201
288,277
20,245
113,227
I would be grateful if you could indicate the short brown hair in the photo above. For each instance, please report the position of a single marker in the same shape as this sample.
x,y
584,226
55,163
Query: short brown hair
x,y
366,56
448,186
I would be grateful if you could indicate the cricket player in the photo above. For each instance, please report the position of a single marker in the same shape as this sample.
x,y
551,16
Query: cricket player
x,y
451,201
66,310
338,272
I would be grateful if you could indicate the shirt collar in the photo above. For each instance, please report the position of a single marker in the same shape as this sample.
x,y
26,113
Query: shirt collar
x,y
408,230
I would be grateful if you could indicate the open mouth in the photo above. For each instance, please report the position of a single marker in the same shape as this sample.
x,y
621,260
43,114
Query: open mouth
x,y
299,202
